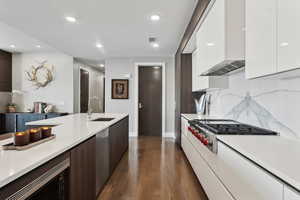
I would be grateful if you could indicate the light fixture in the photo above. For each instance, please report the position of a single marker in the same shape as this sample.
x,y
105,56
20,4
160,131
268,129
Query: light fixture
x,y
98,45
101,65
155,45
12,46
38,46
155,18
71,19
284,44
210,44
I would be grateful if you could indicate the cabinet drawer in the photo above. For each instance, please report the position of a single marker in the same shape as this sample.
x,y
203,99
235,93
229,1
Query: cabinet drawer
x,y
259,180
213,187
290,194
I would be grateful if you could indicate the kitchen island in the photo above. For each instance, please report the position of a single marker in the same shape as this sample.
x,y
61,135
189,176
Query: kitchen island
x,y
80,141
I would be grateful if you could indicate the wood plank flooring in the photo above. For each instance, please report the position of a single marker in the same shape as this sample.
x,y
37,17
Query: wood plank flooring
x,y
153,169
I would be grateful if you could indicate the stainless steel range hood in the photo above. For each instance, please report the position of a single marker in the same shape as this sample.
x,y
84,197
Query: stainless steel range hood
x,y
224,67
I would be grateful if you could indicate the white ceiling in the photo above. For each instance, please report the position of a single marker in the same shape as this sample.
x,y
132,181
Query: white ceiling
x,y
23,43
122,26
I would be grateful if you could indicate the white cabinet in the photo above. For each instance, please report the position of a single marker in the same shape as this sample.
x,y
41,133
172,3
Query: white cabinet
x,y
288,34
290,194
205,82
221,37
272,37
210,38
213,187
261,38
198,82
266,186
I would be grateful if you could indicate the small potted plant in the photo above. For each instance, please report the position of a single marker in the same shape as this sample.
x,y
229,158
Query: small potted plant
x,y
11,108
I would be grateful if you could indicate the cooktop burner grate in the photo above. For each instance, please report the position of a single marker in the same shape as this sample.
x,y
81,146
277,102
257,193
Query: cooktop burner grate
x,y
230,127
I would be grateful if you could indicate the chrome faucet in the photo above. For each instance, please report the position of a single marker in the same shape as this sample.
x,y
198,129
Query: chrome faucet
x,y
90,110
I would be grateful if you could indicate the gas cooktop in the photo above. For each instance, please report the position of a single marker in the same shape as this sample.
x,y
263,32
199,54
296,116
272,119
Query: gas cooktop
x,y
229,127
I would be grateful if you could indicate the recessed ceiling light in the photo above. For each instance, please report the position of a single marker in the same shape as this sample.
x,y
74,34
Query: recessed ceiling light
x,y
101,65
38,46
98,45
71,19
12,46
155,18
155,45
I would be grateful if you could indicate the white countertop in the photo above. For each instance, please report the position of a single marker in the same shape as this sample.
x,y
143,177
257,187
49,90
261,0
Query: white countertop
x,y
70,131
276,154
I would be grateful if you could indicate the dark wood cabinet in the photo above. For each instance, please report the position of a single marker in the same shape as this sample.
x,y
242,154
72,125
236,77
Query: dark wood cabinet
x,y
5,71
118,139
82,171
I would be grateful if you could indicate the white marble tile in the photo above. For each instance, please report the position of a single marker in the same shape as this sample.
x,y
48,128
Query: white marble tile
x,y
270,102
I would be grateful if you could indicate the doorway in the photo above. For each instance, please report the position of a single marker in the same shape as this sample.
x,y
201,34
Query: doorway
x,y
84,91
150,101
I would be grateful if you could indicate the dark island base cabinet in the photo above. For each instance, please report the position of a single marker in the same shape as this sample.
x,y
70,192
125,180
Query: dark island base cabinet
x,y
83,171
118,139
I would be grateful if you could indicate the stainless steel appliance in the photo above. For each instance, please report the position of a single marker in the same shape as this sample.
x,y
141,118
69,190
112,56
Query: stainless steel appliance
x,y
206,130
102,160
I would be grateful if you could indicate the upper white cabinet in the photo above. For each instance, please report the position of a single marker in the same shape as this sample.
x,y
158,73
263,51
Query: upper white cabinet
x,y
205,82
196,78
288,34
290,194
261,37
272,37
221,35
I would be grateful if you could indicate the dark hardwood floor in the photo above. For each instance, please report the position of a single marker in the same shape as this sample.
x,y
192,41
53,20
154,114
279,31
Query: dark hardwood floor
x,y
153,169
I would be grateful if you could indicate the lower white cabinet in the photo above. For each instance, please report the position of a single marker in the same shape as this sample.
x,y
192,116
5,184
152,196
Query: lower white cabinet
x,y
213,187
265,185
290,194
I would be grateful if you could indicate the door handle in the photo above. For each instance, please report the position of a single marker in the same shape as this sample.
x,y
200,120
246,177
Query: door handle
x,y
140,105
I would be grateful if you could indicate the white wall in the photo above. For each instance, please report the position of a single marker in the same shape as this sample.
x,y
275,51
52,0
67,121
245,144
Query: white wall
x,y
96,85
269,102
59,92
118,69
5,98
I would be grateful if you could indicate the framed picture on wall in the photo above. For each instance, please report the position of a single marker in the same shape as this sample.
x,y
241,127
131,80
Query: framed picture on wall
x,y
119,89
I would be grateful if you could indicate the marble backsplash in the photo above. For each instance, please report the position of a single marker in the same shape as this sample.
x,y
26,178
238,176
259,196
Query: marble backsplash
x,y
268,102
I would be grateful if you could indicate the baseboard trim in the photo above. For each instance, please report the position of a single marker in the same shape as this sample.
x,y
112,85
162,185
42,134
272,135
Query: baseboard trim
x,y
169,135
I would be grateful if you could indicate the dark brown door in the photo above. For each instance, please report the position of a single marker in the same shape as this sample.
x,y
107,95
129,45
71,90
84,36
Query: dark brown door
x,y
84,91
150,101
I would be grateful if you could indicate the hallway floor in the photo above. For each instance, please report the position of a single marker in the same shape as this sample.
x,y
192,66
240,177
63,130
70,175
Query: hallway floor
x,y
153,169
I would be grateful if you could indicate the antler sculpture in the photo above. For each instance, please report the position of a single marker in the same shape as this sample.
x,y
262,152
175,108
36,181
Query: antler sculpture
x,y
33,75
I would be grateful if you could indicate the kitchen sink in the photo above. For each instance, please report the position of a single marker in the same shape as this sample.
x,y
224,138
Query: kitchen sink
x,y
102,119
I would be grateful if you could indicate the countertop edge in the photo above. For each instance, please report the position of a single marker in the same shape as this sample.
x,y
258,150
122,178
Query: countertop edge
x,y
273,172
